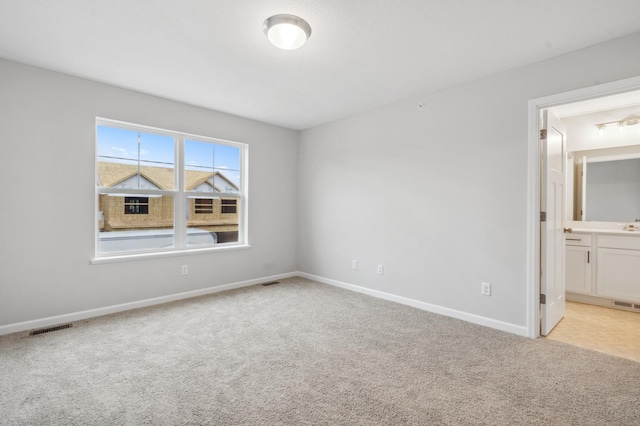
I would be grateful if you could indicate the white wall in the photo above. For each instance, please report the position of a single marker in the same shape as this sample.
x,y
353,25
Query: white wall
x,y
438,196
47,214
454,213
582,134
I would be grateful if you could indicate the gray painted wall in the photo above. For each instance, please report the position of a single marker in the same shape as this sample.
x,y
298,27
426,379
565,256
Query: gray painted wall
x,y
47,214
438,196
454,213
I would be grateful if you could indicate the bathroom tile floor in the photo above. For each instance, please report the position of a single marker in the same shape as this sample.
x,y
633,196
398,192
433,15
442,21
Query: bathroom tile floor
x,y
612,331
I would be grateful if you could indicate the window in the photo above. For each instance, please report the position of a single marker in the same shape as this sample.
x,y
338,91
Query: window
x,y
228,206
160,191
136,205
203,206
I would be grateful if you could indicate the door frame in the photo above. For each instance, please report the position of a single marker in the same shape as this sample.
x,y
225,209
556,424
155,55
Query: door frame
x,y
533,182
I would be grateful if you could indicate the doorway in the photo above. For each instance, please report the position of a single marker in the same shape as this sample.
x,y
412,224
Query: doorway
x,y
574,99
602,329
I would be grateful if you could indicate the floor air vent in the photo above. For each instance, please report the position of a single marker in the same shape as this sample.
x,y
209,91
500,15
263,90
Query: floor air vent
x,y
625,304
50,329
271,283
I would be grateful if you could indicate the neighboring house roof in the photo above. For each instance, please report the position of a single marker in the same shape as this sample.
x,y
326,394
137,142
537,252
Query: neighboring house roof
x,y
217,180
136,180
110,175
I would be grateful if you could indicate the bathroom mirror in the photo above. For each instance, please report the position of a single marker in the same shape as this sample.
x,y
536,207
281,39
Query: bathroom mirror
x,y
610,190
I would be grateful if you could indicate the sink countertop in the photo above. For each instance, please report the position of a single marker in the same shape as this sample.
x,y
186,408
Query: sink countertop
x,y
605,231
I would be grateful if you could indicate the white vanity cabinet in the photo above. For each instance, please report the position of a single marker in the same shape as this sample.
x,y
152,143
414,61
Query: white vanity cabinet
x,y
578,263
618,267
602,267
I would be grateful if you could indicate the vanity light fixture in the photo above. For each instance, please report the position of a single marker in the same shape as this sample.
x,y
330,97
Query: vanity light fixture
x,y
287,32
629,121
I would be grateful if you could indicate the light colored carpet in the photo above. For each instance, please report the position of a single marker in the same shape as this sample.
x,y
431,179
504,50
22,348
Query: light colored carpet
x,y
301,352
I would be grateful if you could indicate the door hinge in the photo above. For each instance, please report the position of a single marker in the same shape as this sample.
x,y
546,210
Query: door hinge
x,y
543,216
543,299
543,133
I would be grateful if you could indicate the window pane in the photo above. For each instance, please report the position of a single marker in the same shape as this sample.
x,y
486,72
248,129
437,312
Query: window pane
x,y
128,224
228,206
199,237
131,159
227,163
211,226
227,237
203,205
211,168
136,205
141,189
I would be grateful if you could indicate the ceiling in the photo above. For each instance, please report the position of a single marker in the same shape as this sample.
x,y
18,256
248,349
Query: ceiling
x,y
606,103
362,54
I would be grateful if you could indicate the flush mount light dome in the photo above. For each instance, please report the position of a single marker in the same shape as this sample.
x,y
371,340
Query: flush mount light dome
x,y
288,32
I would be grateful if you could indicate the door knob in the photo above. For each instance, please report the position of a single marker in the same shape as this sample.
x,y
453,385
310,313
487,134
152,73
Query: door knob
x,y
568,230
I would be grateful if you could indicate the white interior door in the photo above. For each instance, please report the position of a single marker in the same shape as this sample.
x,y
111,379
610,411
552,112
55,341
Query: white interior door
x,y
552,202
583,211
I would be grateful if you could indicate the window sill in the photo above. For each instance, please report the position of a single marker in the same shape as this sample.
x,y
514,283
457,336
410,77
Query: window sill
x,y
158,255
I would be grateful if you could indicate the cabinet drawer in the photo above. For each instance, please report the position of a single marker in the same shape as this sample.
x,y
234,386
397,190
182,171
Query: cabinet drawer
x,y
619,242
578,239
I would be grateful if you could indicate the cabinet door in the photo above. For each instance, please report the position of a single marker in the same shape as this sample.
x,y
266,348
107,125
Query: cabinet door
x,y
618,274
578,270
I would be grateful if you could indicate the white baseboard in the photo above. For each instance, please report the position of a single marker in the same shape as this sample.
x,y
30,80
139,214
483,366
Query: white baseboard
x,y
91,313
476,319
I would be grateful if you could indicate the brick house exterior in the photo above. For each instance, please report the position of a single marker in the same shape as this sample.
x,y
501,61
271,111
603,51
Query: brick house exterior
x,y
213,212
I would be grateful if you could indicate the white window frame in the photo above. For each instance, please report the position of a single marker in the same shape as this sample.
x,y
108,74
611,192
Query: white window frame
x,y
179,193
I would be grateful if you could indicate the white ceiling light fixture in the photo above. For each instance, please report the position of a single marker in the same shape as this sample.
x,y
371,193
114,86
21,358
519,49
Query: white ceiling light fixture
x,y
287,32
629,121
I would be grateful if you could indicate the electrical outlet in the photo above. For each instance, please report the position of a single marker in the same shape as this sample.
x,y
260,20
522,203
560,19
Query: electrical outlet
x,y
380,270
185,269
354,264
485,289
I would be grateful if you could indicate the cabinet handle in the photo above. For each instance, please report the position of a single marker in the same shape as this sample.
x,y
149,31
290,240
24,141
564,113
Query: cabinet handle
x,y
573,239
588,256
